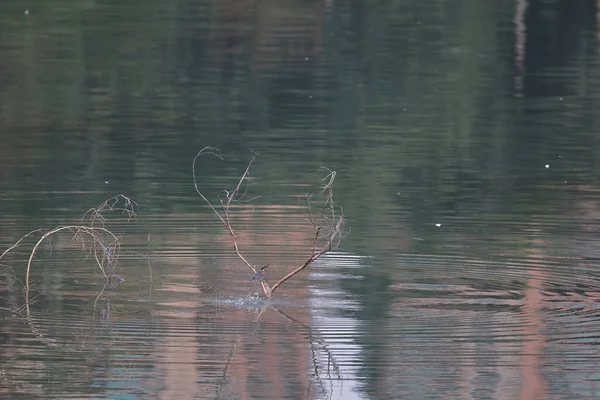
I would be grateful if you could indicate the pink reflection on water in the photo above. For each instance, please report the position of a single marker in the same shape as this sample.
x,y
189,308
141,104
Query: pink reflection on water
x,y
534,384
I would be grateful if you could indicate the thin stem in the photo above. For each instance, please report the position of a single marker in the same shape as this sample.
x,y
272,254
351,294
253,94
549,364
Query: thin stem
x,y
333,237
224,216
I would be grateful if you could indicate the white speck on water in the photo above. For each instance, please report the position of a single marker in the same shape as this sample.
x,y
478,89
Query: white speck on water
x,y
560,98
26,12
438,225
106,182
418,239
547,165
305,58
310,97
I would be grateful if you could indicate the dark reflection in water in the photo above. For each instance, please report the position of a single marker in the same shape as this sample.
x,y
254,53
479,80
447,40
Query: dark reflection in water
x,y
464,137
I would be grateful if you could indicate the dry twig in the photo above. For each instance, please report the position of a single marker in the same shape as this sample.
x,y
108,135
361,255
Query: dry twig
x,y
328,225
91,233
224,215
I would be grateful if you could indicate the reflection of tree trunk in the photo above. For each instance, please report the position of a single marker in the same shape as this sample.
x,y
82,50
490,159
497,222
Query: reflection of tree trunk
x,y
183,355
520,42
598,25
534,385
557,35
180,354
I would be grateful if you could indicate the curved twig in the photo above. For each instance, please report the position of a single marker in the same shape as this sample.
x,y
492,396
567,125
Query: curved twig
x,y
102,240
96,235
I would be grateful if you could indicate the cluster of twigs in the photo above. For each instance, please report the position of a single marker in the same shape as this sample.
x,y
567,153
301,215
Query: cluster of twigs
x,y
95,239
328,222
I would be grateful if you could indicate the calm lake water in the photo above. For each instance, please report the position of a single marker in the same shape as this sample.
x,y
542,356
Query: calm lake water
x,y
466,141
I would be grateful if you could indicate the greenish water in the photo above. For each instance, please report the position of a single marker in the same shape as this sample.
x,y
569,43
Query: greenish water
x,y
464,136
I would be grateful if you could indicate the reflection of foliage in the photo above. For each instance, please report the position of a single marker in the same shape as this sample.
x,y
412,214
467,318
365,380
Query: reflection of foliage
x,y
410,102
413,100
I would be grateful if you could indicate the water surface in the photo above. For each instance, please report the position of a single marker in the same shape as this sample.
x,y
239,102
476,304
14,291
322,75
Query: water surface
x,y
464,138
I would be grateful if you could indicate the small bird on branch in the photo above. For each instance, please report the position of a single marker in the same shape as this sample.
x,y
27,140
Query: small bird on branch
x,y
259,275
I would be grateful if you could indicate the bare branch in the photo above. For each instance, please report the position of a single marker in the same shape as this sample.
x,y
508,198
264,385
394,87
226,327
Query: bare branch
x,y
128,208
324,221
327,217
207,150
225,199
14,246
103,244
